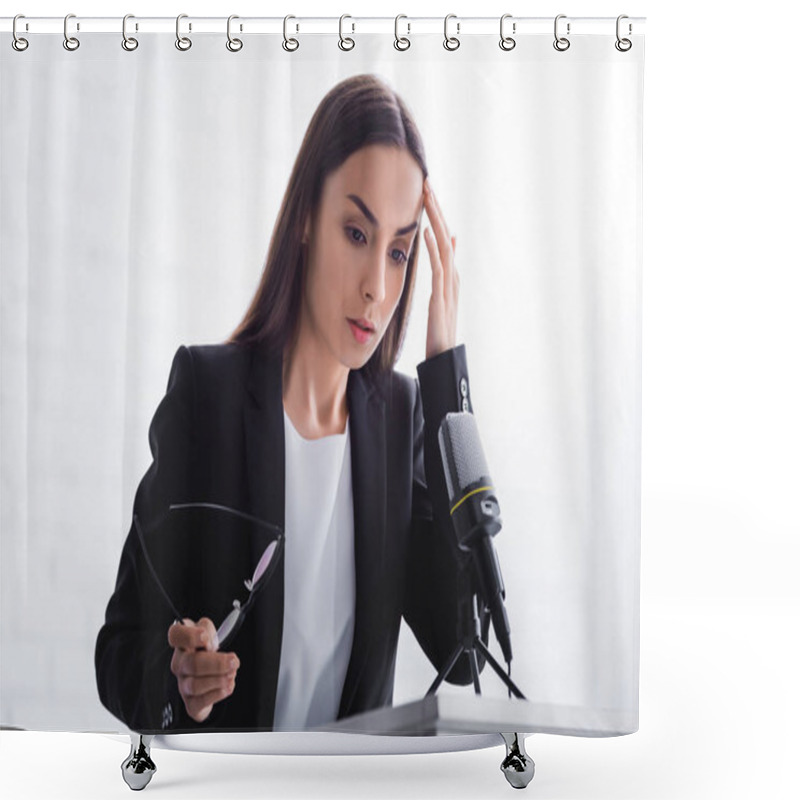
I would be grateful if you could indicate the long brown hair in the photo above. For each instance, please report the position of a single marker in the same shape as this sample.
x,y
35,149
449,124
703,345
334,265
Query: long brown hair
x,y
359,111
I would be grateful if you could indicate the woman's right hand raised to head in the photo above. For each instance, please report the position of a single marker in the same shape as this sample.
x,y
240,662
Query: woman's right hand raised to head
x,y
204,676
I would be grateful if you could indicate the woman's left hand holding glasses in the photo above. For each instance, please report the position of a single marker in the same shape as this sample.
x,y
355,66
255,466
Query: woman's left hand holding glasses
x,y
443,306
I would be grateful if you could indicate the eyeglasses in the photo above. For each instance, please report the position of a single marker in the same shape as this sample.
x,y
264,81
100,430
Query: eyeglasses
x,y
261,575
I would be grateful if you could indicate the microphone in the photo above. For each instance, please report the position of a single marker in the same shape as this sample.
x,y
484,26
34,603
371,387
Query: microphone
x,y
475,512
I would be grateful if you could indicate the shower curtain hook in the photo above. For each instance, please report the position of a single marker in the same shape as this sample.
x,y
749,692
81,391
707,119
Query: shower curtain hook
x,y
401,43
623,45
70,42
128,42
451,42
346,43
183,43
18,43
234,45
290,45
507,42
561,43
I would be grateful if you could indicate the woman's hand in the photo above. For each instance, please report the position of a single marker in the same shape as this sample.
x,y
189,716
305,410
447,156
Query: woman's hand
x,y
443,307
204,677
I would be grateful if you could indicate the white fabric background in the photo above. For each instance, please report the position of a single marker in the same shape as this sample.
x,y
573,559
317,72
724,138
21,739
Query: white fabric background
x,y
139,193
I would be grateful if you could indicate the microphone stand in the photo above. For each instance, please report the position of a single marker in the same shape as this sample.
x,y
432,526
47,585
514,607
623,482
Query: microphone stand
x,y
471,643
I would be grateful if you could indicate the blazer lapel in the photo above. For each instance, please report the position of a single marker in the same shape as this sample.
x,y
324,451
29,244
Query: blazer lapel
x,y
367,417
264,442
264,446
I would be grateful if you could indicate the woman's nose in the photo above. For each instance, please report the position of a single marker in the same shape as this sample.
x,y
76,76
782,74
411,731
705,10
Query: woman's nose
x,y
374,282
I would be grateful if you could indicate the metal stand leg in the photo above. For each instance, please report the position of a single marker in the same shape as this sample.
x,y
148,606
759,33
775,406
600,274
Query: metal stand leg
x,y
518,766
138,768
469,645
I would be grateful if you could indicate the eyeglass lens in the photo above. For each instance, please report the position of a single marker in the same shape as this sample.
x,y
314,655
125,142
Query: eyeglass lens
x,y
263,563
228,625
231,621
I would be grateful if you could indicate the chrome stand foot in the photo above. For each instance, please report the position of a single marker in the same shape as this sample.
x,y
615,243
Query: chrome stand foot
x,y
517,766
138,768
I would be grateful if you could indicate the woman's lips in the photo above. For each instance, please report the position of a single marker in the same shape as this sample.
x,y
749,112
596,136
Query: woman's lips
x,y
362,336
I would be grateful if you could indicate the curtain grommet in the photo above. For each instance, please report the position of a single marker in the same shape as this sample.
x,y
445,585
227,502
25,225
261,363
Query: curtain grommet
x,y
70,43
234,45
622,44
129,43
19,43
289,44
345,42
561,43
451,42
401,43
183,43
507,42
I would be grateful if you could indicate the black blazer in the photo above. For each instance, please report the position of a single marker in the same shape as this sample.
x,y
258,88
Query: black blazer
x,y
218,436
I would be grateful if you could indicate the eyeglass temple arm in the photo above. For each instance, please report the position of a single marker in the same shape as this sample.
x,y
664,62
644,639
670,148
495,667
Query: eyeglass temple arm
x,y
234,511
178,616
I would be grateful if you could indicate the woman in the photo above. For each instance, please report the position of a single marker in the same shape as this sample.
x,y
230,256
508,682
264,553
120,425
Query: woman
x,y
307,380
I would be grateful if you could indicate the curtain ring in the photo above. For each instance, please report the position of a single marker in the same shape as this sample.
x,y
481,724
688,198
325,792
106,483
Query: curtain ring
x,y
346,43
561,43
128,42
623,45
183,43
506,42
290,45
451,42
401,43
234,45
18,43
70,42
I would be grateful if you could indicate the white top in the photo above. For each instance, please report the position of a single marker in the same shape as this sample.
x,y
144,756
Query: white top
x,y
319,585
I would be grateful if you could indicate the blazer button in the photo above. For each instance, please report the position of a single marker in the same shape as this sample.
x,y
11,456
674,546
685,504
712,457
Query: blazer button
x,y
465,404
464,388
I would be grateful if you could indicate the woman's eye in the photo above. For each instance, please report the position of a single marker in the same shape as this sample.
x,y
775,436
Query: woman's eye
x,y
399,256
355,233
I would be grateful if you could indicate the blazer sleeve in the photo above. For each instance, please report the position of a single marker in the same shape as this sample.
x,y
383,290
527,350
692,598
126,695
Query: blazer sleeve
x,y
440,580
132,654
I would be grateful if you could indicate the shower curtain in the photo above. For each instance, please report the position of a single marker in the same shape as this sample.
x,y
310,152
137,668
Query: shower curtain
x,y
139,194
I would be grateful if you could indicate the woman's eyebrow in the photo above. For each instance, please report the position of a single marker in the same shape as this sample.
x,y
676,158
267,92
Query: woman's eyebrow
x,y
371,217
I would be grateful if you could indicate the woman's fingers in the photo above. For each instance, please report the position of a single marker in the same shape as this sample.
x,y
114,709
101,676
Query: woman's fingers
x,y
204,676
199,707
436,217
443,307
194,687
193,635
187,636
445,243
203,665
456,279
211,633
203,682
437,272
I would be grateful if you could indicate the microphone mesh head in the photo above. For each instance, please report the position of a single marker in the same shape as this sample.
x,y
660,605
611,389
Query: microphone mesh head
x,y
462,454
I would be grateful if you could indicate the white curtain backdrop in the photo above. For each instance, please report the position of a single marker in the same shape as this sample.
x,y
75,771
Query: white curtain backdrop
x,y
139,191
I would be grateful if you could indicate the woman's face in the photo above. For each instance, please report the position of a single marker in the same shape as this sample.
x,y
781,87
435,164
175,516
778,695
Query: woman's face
x,y
358,248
